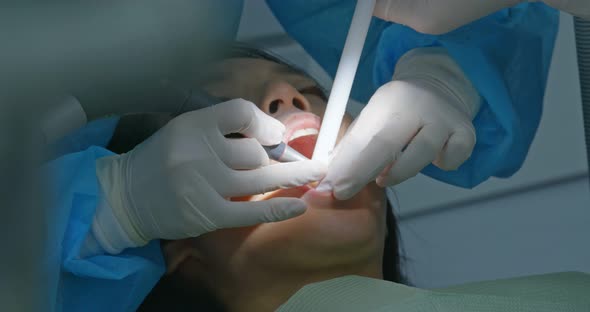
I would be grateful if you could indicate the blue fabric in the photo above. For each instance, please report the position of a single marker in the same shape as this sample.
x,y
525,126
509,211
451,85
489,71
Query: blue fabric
x,y
98,283
505,55
321,26
95,133
102,282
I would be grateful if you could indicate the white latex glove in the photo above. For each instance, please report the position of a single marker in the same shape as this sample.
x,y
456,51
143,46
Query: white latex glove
x,y
442,16
177,183
428,107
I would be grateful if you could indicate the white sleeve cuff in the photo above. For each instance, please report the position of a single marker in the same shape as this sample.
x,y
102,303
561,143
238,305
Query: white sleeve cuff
x,y
107,231
434,66
90,246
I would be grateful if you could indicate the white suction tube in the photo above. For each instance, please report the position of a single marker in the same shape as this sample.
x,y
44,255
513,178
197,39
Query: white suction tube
x,y
345,74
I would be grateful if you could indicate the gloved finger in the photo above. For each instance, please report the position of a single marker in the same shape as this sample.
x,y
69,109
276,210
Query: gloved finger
x,y
272,177
457,150
339,145
437,17
241,154
256,212
362,157
241,116
423,149
347,180
205,210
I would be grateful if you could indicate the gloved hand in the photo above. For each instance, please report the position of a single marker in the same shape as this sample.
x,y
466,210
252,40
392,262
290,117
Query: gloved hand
x,y
177,183
437,17
442,16
428,107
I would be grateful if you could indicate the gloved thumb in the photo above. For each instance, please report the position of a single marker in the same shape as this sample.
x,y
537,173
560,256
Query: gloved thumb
x,y
241,116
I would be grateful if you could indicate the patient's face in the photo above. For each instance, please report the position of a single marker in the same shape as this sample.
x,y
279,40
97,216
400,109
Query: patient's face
x,y
330,234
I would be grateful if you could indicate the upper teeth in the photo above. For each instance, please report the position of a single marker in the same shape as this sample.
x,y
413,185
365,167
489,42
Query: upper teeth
x,y
303,132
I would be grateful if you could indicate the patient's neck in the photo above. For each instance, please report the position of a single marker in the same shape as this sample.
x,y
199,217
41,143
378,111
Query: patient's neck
x,y
264,290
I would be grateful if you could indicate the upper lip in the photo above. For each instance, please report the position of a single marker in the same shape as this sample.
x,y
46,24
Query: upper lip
x,y
300,121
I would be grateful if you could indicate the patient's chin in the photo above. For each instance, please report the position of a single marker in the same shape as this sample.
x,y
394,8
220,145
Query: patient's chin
x,y
324,236
330,234
357,226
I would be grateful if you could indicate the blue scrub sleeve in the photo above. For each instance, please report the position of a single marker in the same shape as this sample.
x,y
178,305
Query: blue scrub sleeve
x,y
95,133
505,55
102,282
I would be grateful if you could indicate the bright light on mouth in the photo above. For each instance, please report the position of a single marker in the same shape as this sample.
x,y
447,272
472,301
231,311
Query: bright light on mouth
x,y
303,132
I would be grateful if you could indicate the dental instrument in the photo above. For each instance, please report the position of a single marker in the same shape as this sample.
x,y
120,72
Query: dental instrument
x,y
280,152
283,153
343,80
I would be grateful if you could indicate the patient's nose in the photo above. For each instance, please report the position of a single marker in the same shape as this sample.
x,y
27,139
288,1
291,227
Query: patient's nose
x,y
281,97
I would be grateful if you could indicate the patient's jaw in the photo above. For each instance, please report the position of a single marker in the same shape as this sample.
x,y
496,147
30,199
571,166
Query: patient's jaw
x,y
257,268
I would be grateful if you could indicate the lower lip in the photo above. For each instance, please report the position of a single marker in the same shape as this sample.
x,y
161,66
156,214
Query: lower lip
x,y
305,192
317,197
308,194
296,192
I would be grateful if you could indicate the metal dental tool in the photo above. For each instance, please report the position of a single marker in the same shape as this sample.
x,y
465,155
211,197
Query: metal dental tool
x,y
283,153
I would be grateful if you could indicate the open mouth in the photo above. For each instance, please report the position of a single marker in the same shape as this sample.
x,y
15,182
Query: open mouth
x,y
301,135
302,132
